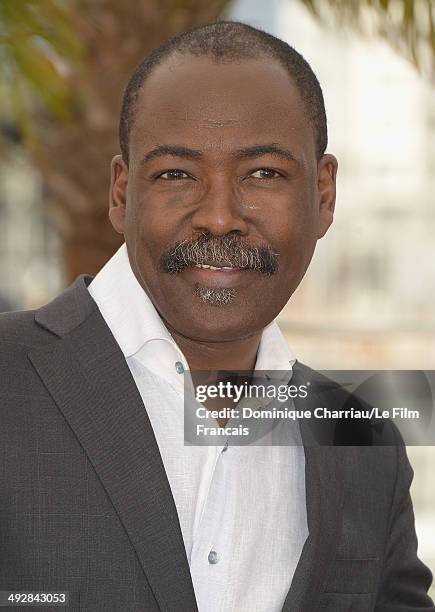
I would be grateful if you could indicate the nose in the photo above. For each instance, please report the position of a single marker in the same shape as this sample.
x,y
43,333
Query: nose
x,y
219,211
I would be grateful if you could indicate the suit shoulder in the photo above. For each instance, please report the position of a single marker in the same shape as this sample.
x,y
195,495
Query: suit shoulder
x,y
20,329
317,380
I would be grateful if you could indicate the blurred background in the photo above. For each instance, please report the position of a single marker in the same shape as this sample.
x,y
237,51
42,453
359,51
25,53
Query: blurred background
x,y
368,299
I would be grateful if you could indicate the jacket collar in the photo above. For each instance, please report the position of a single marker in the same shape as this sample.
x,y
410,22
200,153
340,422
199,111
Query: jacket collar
x,y
69,309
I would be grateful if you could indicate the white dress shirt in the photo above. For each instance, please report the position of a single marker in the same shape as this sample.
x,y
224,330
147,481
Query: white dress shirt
x,y
242,509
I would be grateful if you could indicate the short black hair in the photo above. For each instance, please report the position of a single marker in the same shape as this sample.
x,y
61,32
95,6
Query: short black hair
x,y
226,41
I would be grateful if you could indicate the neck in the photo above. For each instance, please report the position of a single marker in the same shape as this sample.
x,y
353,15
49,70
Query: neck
x,y
235,355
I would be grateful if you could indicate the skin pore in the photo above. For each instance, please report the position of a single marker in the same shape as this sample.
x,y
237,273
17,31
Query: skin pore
x,y
221,149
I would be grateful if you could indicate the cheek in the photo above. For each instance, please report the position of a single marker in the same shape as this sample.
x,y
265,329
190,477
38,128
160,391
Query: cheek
x,y
297,228
296,238
149,225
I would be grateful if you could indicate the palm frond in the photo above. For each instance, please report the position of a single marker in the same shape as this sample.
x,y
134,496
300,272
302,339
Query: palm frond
x,y
408,25
37,43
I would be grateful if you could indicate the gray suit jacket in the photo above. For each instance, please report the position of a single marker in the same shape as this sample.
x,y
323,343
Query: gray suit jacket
x,y
86,507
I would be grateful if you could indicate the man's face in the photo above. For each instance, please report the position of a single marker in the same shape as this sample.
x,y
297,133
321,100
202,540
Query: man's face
x,y
222,172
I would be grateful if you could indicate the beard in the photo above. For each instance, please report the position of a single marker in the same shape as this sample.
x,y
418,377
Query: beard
x,y
215,297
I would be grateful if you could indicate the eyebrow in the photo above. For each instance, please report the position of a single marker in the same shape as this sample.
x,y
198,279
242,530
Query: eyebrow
x,y
174,151
245,153
266,149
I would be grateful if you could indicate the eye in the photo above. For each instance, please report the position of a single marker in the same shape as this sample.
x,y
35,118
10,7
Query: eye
x,y
173,175
266,173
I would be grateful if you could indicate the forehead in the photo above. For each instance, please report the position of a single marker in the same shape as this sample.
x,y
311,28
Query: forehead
x,y
221,106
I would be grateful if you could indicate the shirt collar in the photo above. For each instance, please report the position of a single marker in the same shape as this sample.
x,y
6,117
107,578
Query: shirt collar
x,y
135,322
126,308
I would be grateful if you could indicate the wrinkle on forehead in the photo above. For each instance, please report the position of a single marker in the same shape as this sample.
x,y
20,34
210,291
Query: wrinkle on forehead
x,y
210,123
217,123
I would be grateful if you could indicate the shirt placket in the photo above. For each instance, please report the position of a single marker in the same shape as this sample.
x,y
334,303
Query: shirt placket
x,y
208,562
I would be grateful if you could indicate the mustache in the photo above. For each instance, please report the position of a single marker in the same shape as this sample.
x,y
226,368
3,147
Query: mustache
x,y
228,250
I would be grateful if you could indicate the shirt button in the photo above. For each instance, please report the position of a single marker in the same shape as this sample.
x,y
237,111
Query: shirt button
x,y
213,557
179,367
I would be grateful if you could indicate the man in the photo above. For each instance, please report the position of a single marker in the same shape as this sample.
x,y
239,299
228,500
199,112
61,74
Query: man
x,y
221,191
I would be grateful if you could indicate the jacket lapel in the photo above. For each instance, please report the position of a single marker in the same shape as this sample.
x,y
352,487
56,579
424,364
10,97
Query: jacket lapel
x,y
324,483
93,387
324,495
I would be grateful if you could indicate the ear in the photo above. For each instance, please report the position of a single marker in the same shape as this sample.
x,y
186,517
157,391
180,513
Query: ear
x,y
118,193
326,185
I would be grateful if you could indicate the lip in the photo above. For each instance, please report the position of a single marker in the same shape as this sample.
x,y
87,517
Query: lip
x,y
217,278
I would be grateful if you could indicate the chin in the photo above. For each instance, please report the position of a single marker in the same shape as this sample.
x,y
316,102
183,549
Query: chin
x,y
222,323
